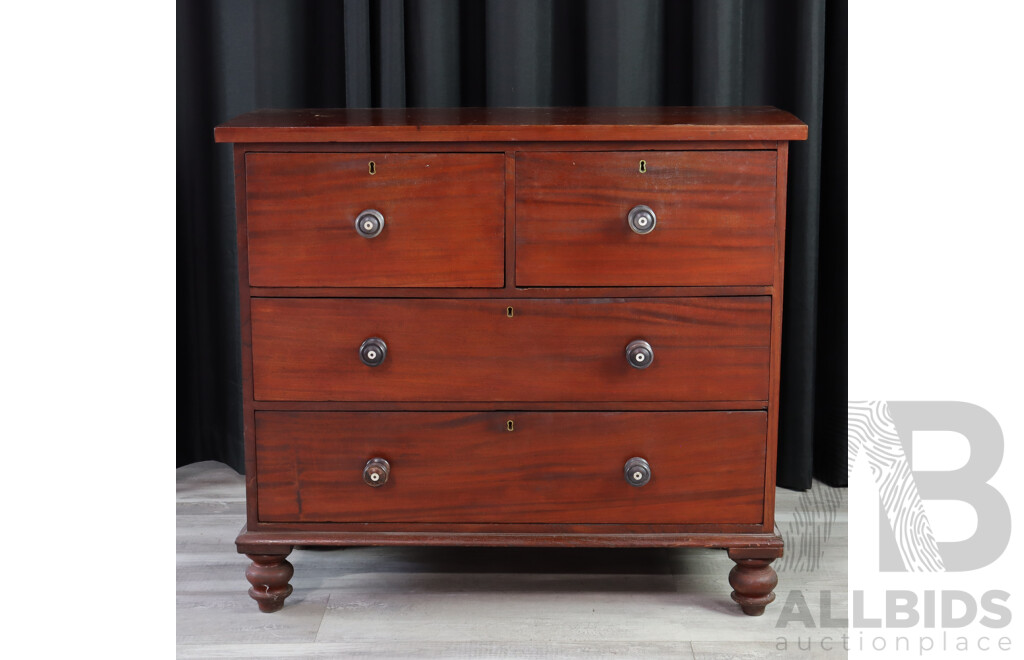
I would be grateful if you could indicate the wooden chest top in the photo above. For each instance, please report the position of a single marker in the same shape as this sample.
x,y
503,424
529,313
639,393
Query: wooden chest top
x,y
512,124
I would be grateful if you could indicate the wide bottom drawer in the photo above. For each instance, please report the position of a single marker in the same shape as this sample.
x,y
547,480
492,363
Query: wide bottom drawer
x,y
493,467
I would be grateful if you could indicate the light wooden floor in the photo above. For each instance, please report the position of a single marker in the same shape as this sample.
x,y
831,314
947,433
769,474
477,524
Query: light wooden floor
x,y
480,602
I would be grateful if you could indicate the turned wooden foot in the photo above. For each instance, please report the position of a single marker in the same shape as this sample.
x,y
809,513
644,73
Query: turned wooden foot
x,y
752,580
269,575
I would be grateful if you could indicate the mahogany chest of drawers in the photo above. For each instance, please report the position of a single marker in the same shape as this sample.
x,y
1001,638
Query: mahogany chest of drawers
x,y
539,327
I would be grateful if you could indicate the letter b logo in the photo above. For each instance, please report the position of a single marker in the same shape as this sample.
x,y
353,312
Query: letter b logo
x,y
883,431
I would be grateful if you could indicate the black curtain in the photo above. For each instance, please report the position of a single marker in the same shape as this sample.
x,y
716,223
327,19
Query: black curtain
x,y
236,55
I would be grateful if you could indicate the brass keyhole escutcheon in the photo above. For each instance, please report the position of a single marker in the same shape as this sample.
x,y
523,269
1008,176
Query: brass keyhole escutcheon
x,y
373,168
643,167
509,312
510,425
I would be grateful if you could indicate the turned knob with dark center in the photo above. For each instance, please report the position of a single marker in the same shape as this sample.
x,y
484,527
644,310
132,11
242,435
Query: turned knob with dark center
x,y
639,354
376,472
373,351
370,223
641,219
637,472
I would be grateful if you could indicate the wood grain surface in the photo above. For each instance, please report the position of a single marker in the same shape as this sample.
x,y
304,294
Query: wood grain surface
x,y
511,291
705,349
782,162
519,124
553,467
715,218
444,219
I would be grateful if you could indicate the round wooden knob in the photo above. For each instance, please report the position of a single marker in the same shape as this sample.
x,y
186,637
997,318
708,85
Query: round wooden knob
x,y
370,223
639,354
373,351
641,219
376,472
637,472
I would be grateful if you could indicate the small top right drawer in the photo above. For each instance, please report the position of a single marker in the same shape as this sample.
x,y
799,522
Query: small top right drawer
x,y
652,218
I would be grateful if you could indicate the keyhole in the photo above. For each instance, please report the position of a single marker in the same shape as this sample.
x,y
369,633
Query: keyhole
x,y
373,167
510,426
643,167
509,312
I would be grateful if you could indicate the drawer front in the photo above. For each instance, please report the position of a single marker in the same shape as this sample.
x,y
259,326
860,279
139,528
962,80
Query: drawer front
x,y
706,467
443,220
704,349
714,218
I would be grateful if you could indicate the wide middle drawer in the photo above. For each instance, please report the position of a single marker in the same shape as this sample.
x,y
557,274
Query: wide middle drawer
x,y
525,350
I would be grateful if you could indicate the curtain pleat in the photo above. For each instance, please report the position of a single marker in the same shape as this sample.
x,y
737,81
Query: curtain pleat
x,y
830,397
797,406
324,47
389,71
624,52
718,46
519,42
235,56
433,54
356,31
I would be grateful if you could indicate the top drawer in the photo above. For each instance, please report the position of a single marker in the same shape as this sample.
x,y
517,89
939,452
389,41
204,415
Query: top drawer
x,y
443,219
714,218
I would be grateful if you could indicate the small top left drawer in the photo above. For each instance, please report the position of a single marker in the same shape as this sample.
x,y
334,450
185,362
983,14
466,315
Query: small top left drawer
x,y
375,219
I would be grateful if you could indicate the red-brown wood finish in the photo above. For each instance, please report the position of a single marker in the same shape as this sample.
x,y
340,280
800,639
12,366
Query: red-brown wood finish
x,y
444,220
269,575
512,291
245,332
776,348
574,291
759,543
715,218
752,580
505,528
502,147
551,468
511,124
705,349
429,406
